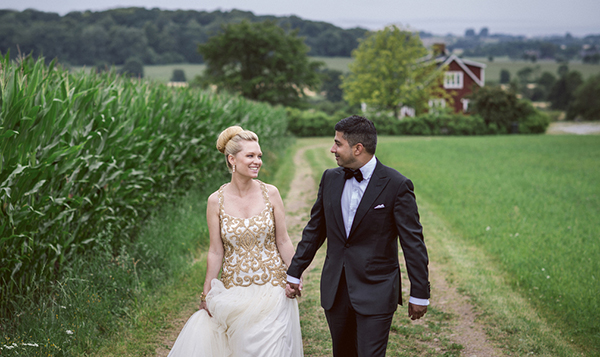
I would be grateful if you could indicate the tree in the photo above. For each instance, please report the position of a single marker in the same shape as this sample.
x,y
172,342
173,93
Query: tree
x,y
563,90
261,61
178,76
500,109
585,102
331,81
133,67
544,84
389,71
504,76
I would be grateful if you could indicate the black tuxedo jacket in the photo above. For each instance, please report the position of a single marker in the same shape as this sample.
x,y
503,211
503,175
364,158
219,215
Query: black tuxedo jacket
x,y
369,256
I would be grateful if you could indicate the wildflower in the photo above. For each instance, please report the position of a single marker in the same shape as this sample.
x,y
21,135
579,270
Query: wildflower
x,y
31,344
488,228
69,332
547,276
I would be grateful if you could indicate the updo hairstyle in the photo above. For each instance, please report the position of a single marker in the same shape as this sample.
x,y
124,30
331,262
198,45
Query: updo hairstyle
x,y
229,141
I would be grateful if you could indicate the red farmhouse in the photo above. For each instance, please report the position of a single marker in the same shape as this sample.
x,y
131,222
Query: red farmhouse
x,y
461,77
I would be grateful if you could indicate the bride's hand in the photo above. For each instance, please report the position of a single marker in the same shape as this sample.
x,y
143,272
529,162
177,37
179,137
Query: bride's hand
x,y
203,306
289,291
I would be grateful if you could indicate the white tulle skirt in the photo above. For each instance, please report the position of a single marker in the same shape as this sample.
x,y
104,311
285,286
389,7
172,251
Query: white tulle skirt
x,y
258,320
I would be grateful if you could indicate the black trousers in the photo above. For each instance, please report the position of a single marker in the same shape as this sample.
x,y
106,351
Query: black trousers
x,y
353,334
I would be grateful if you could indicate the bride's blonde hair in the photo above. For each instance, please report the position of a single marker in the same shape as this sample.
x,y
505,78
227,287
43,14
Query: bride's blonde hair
x,y
229,141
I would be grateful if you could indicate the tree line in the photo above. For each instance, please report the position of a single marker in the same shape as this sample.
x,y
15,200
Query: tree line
x,y
153,36
567,91
559,48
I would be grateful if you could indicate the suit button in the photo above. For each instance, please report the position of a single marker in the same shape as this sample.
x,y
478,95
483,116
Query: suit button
x,y
347,245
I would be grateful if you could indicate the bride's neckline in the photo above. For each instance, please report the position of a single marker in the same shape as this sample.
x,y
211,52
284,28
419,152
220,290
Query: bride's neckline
x,y
265,201
240,218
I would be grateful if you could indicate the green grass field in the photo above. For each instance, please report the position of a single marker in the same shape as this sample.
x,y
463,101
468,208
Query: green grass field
x,y
163,73
531,202
493,68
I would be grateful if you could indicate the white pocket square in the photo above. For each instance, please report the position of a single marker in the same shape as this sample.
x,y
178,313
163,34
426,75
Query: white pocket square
x,y
379,206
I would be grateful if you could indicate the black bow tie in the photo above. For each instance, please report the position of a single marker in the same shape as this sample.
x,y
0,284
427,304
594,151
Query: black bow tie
x,y
349,173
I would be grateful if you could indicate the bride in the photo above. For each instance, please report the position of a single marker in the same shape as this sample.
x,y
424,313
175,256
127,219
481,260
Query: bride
x,y
246,312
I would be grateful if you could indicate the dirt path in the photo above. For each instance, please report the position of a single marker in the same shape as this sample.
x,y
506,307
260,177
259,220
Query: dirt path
x,y
579,128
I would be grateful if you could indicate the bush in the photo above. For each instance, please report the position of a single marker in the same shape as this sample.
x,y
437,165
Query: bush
x,y
535,123
133,67
499,108
444,124
310,123
178,76
586,103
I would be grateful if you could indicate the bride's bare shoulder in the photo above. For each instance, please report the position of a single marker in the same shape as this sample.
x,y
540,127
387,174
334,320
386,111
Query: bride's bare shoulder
x,y
213,199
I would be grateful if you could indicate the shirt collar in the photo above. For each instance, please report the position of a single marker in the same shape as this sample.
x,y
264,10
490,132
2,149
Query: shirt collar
x,y
368,168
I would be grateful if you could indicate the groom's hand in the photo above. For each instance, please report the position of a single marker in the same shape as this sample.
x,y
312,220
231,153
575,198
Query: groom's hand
x,y
294,290
415,312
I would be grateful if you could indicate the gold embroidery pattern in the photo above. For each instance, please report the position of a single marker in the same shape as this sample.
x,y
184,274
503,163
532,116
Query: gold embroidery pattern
x,y
251,254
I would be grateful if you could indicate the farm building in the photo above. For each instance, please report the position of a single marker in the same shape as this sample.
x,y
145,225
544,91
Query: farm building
x,y
460,77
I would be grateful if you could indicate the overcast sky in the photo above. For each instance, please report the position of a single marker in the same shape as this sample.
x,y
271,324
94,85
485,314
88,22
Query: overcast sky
x,y
516,17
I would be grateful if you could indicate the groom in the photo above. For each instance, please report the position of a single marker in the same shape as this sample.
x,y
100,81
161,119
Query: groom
x,y
361,209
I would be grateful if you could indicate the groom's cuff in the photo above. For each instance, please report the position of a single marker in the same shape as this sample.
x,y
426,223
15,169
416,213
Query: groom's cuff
x,y
412,300
293,280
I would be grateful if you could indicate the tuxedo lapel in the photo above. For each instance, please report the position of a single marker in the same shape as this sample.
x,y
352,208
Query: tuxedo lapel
x,y
338,183
376,185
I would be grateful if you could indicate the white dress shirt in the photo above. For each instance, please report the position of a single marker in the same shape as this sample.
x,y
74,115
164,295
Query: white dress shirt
x,y
353,193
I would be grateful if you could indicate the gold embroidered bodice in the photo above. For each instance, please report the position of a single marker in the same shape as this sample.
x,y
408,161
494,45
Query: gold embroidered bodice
x,y
251,254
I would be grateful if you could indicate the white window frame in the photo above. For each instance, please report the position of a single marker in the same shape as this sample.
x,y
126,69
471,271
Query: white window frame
x,y
453,79
437,103
465,104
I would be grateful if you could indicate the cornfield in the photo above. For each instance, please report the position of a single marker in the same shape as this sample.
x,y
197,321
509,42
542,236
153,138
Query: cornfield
x,y
86,157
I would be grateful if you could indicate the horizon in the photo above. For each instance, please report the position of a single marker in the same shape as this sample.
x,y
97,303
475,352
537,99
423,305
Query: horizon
x,y
536,18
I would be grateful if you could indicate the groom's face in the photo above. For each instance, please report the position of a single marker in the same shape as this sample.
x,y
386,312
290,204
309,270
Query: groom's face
x,y
343,151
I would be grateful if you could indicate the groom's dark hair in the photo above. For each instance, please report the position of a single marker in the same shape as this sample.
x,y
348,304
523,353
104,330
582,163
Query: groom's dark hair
x,y
357,129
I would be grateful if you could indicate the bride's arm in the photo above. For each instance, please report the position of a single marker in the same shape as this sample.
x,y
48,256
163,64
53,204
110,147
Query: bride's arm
x,y
214,259
284,243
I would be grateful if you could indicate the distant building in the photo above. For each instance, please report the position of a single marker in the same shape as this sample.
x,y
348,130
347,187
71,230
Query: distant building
x,y
461,77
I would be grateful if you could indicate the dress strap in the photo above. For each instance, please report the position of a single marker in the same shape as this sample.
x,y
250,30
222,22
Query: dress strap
x,y
221,207
265,192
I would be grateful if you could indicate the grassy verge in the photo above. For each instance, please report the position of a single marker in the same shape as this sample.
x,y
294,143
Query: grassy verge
x,y
106,299
531,205
284,174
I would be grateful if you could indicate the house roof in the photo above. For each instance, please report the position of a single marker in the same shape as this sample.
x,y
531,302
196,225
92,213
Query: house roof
x,y
446,60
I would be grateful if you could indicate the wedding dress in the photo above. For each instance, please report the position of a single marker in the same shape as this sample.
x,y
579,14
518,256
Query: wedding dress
x,y
251,316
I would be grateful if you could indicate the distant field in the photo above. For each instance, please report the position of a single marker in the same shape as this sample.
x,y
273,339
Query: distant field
x,y
492,71
163,73
339,63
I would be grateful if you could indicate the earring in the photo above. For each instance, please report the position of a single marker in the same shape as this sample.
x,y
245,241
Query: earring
x,y
233,168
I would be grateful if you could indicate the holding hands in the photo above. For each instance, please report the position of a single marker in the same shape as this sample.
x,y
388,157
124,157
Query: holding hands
x,y
292,290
